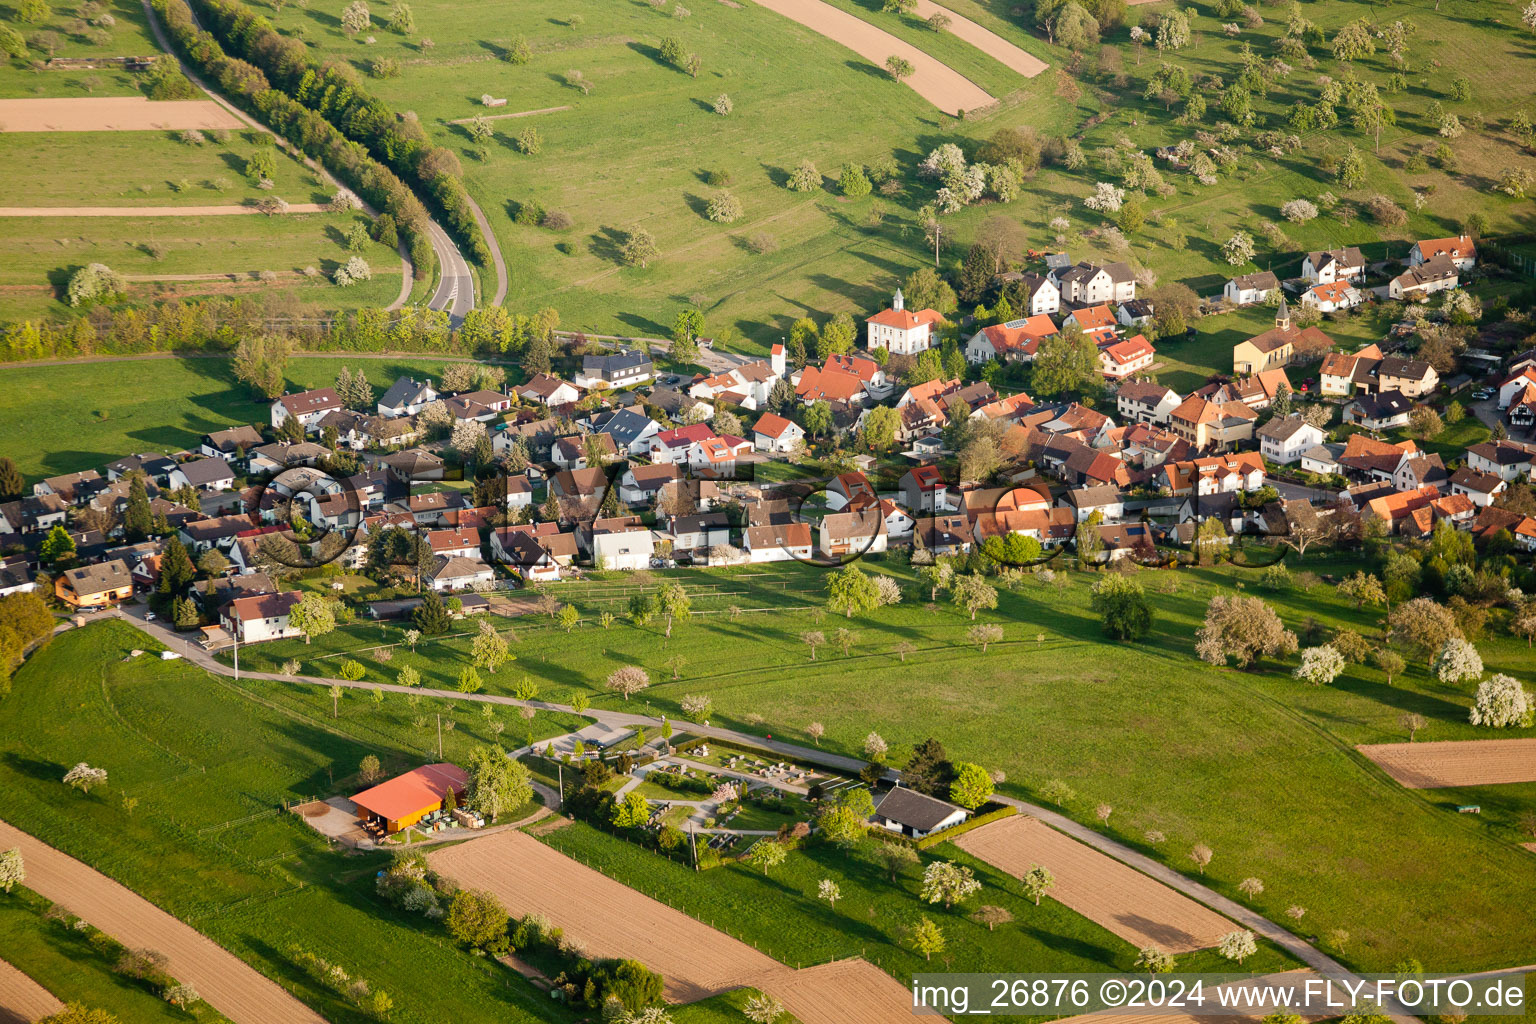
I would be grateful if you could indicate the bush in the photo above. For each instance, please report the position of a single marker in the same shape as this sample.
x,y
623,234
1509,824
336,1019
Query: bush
x,y
723,208
529,213
556,220
95,282
1385,212
717,178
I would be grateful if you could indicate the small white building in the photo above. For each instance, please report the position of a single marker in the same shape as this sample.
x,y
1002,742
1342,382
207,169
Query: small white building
x,y
1250,289
915,814
774,433
260,617
1284,441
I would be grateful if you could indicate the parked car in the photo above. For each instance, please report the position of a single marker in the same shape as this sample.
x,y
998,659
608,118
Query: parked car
x,y
149,616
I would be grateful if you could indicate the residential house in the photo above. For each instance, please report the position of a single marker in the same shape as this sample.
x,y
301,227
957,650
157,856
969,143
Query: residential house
x,y
308,407
1514,387
1380,411
393,433
1331,296
575,452
212,474
549,390
75,488
642,485
1257,392
844,379
747,385
1322,459
1134,313
519,491
95,586
1103,499
1087,284
216,532
1418,283
625,368
1098,322
851,488
413,465
583,487
273,458
1146,402
774,433
1460,251
1421,469
923,489
1225,474
943,535
1283,441
901,331
449,574
155,467
851,534
536,551
230,443
1481,488
630,429
1333,265
910,813
1508,460
479,406
1015,341
431,509
778,542
1123,358
1341,373
1037,295
1206,424
623,542
455,543
16,576
406,397
1365,458
260,617
1408,513
1250,289
1522,411
698,532
33,514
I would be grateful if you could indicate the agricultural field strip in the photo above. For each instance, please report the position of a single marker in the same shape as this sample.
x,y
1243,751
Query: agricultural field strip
x,y
1139,909
985,40
1455,763
23,1000
224,981
147,211
931,79
111,114
612,920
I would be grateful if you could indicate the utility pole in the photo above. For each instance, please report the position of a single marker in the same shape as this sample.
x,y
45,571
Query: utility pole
x,y
439,735
693,844
560,768
237,653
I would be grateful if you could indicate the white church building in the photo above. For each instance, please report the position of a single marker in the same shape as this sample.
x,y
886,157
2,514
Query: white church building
x,y
902,332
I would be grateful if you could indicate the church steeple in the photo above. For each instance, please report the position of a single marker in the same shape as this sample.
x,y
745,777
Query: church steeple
x,y
1283,316
897,302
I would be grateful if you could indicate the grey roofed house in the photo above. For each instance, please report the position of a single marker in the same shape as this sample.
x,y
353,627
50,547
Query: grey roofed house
x,y
1263,280
149,464
1118,272
1348,256
1100,496
233,439
1377,408
206,472
625,426
1281,430
916,811
412,462
405,392
623,365
216,593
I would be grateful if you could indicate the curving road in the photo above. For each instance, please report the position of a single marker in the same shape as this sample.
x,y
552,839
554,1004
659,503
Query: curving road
x,y
456,282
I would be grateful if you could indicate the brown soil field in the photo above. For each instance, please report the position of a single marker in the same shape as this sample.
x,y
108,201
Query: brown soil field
x,y
23,1000
934,81
1139,909
1455,762
146,211
225,982
610,919
985,40
111,114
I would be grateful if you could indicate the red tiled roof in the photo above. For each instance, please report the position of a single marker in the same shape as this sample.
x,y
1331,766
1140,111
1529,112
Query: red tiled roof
x,y
905,319
415,792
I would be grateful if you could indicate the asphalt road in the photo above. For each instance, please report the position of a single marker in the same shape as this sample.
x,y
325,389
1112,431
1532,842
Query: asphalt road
x,y
456,287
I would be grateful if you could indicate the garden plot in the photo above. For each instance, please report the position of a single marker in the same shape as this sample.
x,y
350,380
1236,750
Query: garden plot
x,y
23,1000
1139,909
1455,763
111,114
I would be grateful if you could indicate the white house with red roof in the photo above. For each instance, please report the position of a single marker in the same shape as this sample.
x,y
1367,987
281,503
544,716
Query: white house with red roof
x,y
1098,322
774,433
308,407
1331,295
1124,358
1015,341
923,489
1461,251
844,379
1514,388
680,444
902,332
717,456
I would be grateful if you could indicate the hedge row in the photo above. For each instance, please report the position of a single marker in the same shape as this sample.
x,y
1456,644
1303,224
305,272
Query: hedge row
x,y
333,91
975,821
248,87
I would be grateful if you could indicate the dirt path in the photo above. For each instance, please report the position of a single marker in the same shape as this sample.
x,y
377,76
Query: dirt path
x,y
520,113
227,983
1456,762
1139,909
147,211
933,80
23,1000
111,114
613,920
985,40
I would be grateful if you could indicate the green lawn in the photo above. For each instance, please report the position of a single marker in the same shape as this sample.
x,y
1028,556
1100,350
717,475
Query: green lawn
x,y
128,37
160,405
69,965
1254,764
211,765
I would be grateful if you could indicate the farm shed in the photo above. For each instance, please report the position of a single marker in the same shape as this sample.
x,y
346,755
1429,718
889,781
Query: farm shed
x,y
406,799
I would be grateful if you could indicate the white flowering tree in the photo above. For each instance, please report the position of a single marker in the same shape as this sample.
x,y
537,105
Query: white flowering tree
x,y
1299,211
1238,249
1501,702
829,891
875,747
1457,661
762,1008
1320,665
13,871
1238,945
948,883
1106,198
82,777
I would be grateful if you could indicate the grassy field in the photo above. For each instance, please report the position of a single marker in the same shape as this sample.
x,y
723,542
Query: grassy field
x,y
1254,764
160,405
211,764
128,37
628,130
67,964
873,915
147,168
